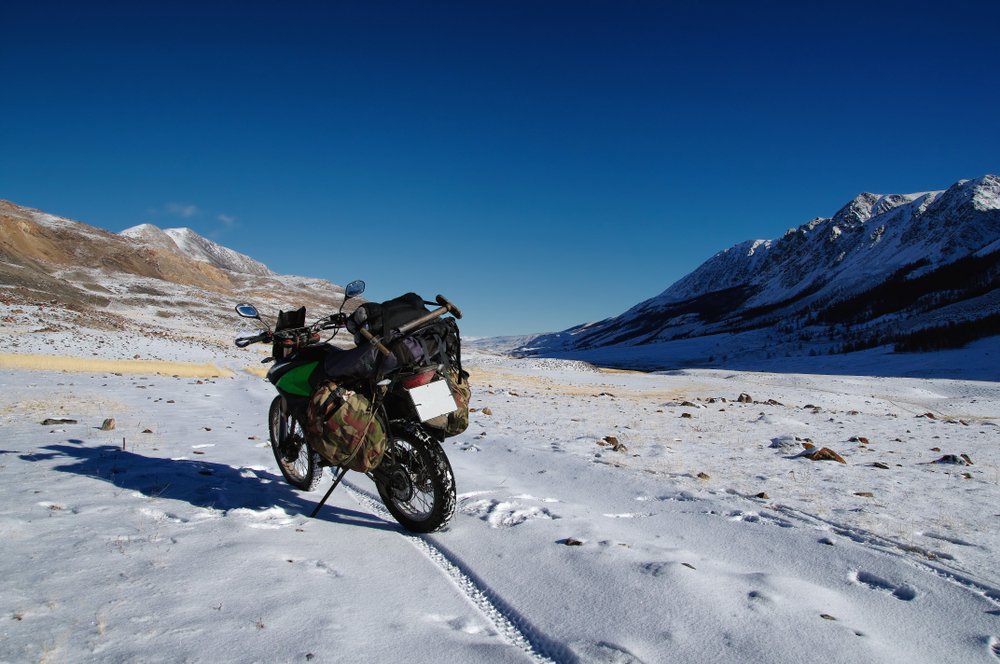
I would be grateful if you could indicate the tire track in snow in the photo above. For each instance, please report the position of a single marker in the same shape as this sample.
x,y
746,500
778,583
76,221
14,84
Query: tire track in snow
x,y
507,621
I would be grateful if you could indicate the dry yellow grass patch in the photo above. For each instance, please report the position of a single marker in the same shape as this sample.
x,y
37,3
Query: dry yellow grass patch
x,y
25,362
509,379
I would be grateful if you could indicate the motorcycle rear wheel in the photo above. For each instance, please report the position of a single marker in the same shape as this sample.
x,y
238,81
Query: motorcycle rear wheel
x,y
299,465
415,481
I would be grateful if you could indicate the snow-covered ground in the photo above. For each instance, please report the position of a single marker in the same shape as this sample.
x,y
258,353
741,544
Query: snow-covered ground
x,y
704,537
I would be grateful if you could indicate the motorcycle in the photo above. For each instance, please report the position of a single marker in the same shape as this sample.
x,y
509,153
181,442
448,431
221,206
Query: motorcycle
x,y
414,478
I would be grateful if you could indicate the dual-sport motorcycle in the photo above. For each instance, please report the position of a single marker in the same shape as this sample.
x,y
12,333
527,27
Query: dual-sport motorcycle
x,y
414,477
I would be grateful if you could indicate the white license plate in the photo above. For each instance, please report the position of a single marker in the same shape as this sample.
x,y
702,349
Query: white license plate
x,y
433,399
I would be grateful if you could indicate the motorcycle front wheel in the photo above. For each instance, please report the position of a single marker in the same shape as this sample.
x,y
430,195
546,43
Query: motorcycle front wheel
x,y
415,481
299,465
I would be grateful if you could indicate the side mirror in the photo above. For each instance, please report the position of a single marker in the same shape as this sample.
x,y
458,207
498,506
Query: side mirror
x,y
354,289
247,310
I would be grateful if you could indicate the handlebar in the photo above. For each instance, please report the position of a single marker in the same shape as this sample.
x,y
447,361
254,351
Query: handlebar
x,y
340,318
243,342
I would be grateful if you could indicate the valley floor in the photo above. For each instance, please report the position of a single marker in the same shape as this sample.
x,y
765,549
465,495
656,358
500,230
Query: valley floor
x,y
602,517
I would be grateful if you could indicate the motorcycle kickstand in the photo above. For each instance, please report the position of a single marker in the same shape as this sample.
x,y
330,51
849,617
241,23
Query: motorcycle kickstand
x,y
343,471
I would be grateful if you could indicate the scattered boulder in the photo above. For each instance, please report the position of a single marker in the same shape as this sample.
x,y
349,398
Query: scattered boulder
x,y
49,421
744,398
823,454
864,494
108,425
955,460
929,416
686,416
614,443
762,495
879,464
859,439
571,541
704,476
785,442
688,404
487,411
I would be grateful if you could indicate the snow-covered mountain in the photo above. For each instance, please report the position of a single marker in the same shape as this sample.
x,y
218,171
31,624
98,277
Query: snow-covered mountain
x,y
883,269
144,279
192,245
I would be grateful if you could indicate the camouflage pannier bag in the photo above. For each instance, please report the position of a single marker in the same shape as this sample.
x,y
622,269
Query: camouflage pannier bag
x,y
342,427
458,421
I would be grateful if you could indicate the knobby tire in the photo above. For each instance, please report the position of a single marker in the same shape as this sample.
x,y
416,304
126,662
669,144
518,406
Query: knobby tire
x,y
299,465
416,482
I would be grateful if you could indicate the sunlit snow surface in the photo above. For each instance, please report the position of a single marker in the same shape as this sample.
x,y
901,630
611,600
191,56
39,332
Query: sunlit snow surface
x,y
706,537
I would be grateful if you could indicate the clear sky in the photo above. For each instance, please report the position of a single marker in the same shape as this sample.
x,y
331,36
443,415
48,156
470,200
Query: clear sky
x,y
542,164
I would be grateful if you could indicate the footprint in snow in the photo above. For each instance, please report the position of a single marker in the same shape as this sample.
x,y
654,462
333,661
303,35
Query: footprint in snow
x,y
157,515
505,514
759,517
902,592
630,515
656,569
315,565
460,624
268,519
604,652
680,497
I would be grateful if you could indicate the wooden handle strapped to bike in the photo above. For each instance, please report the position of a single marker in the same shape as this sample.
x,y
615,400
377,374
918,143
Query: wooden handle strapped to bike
x,y
446,307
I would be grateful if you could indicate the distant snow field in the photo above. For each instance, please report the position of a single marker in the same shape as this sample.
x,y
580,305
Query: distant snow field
x,y
602,517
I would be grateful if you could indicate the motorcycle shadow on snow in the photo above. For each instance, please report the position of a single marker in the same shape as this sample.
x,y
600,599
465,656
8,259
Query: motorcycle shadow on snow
x,y
201,483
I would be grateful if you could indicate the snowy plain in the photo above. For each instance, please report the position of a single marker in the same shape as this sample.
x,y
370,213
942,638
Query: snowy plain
x,y
696,533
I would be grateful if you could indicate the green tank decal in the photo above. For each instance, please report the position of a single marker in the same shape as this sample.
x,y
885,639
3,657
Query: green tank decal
x,y
296,381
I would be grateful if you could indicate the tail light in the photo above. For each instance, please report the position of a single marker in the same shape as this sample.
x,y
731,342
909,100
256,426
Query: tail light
x,y
419,379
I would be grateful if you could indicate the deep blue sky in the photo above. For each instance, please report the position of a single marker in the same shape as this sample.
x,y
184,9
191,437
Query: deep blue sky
x,y
541,163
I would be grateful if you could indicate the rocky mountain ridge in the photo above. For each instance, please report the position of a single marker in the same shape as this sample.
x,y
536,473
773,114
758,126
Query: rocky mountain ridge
x,y
881,269
144,280
190,244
